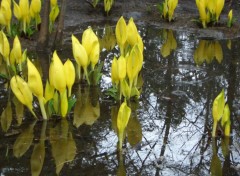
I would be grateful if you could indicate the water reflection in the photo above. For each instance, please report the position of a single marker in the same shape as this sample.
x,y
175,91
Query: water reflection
x,y
62,144
38,154
169,132
107,40
23,141
87,109
170,43
207,51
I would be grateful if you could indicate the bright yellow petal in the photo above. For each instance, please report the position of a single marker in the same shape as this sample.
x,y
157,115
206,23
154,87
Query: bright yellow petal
x,y
79,52
34,80
122,68
59,79
69,71
121,31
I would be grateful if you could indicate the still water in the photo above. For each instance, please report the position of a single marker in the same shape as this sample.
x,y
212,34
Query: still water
x,y
169,132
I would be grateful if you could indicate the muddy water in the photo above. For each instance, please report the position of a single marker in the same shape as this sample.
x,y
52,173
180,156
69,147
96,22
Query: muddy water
x,y
170,128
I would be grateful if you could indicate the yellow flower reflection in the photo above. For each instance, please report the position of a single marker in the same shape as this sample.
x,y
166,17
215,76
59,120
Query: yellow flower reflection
x,y
170,43
207,51
87,108
62,144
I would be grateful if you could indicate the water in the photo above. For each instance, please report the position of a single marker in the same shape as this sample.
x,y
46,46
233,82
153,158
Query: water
x,y
170,129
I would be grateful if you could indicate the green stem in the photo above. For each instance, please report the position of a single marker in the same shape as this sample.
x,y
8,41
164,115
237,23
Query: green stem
x,y
42,107
120,90
69,91
214,128
130,88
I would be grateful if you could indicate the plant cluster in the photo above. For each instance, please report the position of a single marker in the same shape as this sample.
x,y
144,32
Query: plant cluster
x,y
86,55
56,98
125,70
209,11
26,16
167,9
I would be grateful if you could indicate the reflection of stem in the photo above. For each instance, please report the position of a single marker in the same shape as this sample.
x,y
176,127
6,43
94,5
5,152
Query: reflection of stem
x,y
214,146
43,111
33,124
43,131
86,75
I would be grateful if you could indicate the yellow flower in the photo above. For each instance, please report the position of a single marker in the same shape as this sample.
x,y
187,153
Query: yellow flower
x,y
230,20
79,52
219,7
16,52
172,4
4,47
69,71
64,103
121,33
35,8
6,14
107,5
132,32
49,92
230,14
22,91
36,86
34,80
57,74
211,6
80,55
134,65
201,5
122,68
53,3
21,12
91,44
114,71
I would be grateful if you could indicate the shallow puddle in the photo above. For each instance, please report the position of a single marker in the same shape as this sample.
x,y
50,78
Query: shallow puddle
x,y
169,132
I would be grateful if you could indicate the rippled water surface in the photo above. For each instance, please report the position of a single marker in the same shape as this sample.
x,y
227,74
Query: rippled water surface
x,y
169,132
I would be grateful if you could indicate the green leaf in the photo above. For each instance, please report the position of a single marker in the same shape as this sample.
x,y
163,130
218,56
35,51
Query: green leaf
x,y
160,8
113,92
71,102
94,3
